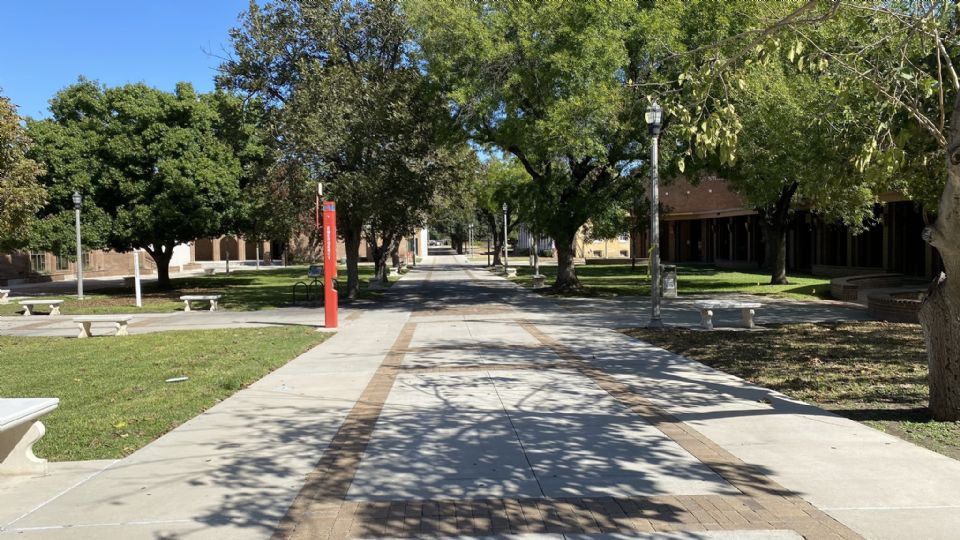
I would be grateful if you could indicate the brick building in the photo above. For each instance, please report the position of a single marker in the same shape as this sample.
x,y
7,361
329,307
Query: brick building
x,y
708,223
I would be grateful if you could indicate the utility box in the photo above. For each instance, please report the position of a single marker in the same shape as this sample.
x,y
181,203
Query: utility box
x,y
668,281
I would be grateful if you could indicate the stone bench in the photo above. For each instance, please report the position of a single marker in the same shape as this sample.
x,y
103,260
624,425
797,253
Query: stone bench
x,y
119,320
29,305
212,298
4,296
19,430
707,308
209,271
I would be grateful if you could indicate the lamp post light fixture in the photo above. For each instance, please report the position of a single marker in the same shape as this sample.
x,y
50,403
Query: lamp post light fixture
x,y
506,246
654,118
77,200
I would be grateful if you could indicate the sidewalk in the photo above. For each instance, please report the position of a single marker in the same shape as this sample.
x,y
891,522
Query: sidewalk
x,y
467,407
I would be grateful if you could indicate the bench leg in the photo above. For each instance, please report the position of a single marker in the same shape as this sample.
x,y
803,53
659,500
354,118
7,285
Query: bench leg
x,y
16,450
746,315
84,330
213,305
27,311
122,329
5,298
706,319
186,306
54,310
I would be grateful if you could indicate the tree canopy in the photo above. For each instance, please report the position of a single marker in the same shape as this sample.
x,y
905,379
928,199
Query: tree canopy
x,y
155,169
21,195
545,82
345,94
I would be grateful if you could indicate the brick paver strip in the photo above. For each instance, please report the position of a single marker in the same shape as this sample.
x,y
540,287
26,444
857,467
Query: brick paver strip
x,y
322,511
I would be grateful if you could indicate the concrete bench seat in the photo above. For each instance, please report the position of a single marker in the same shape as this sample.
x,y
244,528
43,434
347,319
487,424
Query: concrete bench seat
x,y
19,431
214,299
707,307
29,305
119,320
209,271
4,296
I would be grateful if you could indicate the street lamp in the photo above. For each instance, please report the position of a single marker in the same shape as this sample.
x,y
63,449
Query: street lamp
x,y
77,199
506,246
654,118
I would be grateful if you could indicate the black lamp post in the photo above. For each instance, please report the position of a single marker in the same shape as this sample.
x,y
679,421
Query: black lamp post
x,y
77,200
654,118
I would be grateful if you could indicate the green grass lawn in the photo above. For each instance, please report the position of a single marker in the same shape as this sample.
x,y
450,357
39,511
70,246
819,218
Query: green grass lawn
x,y
620,280
113,398
873,372
242,291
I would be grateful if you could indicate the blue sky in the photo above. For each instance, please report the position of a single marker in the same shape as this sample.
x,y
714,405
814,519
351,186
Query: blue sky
x,y
47,44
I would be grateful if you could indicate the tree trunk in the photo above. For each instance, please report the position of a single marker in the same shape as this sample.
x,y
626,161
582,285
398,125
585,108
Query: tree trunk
x,y
497,242
382,255
775,223
940,318
395,256
351,240
940,312
566,272
161,257
776,252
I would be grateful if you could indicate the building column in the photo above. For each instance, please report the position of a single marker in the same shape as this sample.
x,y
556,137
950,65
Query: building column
x,y
215,246
886,237
241,248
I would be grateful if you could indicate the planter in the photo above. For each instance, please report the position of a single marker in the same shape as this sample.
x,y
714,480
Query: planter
x,y
539,281
511,272
903,307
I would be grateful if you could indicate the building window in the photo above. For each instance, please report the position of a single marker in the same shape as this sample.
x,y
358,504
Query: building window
x,y
598,254
62,263
624,237
38,262
623,253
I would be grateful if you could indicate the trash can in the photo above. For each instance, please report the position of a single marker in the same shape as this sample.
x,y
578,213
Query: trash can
x,y
668,280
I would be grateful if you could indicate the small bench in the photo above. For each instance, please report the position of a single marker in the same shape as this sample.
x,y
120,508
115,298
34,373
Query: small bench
x,y
212,298
4,296
29,305
209,271
119,320
19,430
707,308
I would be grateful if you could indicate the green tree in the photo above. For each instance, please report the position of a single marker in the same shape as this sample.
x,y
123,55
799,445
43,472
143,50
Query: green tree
x,y
545,82
156,169
501,181
21,195
342,84
896,65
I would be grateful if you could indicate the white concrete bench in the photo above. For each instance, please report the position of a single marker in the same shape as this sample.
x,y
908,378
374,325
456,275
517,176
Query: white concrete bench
x,y
4,296
212,298
19,430
119,320
707,307
29,305
209,271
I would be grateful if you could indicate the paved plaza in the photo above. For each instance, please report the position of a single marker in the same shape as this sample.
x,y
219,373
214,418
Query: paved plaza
x,y
463,406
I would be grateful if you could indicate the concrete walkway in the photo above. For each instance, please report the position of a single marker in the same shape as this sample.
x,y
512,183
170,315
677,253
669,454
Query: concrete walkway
x,y
465,407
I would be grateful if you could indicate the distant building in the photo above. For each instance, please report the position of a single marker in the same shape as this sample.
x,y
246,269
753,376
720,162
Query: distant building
x,y
708,223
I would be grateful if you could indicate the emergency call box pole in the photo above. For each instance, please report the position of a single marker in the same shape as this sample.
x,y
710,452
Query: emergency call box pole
x,y
330,297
